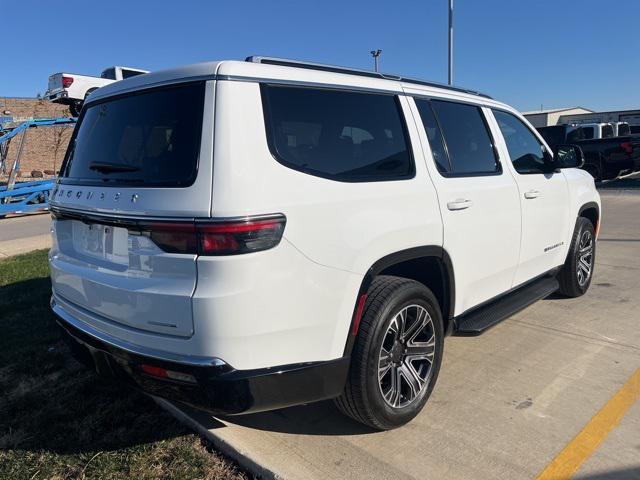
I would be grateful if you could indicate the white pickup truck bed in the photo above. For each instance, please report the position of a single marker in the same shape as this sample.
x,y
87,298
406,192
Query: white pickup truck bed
x,y
72,89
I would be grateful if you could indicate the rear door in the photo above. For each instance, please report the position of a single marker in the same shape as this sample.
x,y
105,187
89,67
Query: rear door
x,y
544,196
140,158
478,200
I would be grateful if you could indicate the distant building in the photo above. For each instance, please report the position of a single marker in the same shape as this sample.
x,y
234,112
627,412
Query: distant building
x,y
559,116
545,118
44,148
632,117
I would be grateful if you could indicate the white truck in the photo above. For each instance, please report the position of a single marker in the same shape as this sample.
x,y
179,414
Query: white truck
x,y
73,89
590,131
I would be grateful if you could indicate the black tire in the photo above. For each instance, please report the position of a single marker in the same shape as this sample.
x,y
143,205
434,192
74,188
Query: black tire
x,y
571,284
362,398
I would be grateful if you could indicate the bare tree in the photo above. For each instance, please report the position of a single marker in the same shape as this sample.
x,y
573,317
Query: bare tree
x,y
60,139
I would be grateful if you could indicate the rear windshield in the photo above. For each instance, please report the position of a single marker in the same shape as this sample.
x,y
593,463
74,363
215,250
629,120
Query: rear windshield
x,y
109,73
150,138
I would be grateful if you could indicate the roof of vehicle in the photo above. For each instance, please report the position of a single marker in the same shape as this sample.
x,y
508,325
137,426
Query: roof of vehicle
x,y
284,71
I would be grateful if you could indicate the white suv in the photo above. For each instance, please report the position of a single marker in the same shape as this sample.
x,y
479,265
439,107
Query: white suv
x,y
243,236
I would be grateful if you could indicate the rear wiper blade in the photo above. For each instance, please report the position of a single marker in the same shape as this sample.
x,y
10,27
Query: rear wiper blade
x,y
103,167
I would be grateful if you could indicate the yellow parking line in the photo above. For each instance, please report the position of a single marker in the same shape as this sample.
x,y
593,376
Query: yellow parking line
x,y
593,434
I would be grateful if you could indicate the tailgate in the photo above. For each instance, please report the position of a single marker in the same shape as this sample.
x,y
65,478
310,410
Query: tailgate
x,y
55,83
122,277
143,157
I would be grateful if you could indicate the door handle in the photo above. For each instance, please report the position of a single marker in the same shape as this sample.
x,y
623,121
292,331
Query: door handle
x,y
532,194
459,204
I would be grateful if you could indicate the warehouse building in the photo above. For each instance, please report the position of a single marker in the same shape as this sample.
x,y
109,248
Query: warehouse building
x,y
559,116
632,117
546,118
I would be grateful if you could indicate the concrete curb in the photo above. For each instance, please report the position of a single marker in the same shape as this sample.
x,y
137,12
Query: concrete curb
x,y
241,458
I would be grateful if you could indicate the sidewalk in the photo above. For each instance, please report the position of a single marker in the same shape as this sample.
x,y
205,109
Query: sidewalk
x,y
24,234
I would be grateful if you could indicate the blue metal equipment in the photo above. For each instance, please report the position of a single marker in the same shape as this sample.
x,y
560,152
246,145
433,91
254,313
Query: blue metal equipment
x,y
24,197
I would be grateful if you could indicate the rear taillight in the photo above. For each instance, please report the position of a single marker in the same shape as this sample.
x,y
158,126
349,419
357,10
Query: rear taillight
x,y
228,237
627,147
67,81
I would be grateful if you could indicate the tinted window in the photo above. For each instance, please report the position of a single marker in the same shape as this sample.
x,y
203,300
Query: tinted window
x,y
623,130
577,134
607,131
129,73
587,133
109,73
150,138
345,136
525,150
466,137
434,135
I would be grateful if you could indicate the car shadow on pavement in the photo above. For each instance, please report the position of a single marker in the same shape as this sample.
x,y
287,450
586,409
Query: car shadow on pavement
x,y
320,418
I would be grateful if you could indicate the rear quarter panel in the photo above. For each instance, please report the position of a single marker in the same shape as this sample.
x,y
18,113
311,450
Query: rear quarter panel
x,y
335,232
347,226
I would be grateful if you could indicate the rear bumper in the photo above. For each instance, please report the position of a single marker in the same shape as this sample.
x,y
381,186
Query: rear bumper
x,y
58,96
216,387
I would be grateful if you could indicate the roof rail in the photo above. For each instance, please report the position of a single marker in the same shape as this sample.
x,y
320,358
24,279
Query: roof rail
x,y
285,62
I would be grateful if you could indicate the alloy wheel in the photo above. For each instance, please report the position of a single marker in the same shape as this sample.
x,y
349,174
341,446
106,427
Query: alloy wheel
x,y
584,264
406,356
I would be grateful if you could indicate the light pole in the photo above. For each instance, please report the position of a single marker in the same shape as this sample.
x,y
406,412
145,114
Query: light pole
x,y
450,42
375,54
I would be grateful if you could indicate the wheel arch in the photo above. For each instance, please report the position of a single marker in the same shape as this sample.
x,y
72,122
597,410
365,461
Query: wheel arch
x,y
591,211
430,265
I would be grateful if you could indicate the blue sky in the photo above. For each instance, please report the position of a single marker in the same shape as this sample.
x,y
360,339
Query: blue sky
x,y
527,53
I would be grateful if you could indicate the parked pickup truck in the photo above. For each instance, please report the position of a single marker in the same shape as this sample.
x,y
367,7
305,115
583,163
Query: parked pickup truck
x,y
605,158
72,89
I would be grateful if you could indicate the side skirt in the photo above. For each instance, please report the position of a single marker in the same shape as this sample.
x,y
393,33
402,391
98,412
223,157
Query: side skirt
x,y
480,319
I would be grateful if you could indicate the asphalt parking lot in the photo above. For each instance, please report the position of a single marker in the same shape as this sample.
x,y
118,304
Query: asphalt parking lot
x,y
560,380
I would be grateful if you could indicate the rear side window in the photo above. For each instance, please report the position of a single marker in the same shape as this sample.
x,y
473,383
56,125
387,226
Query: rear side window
x,y
524,147
607,131
467,138
151,138
340,135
